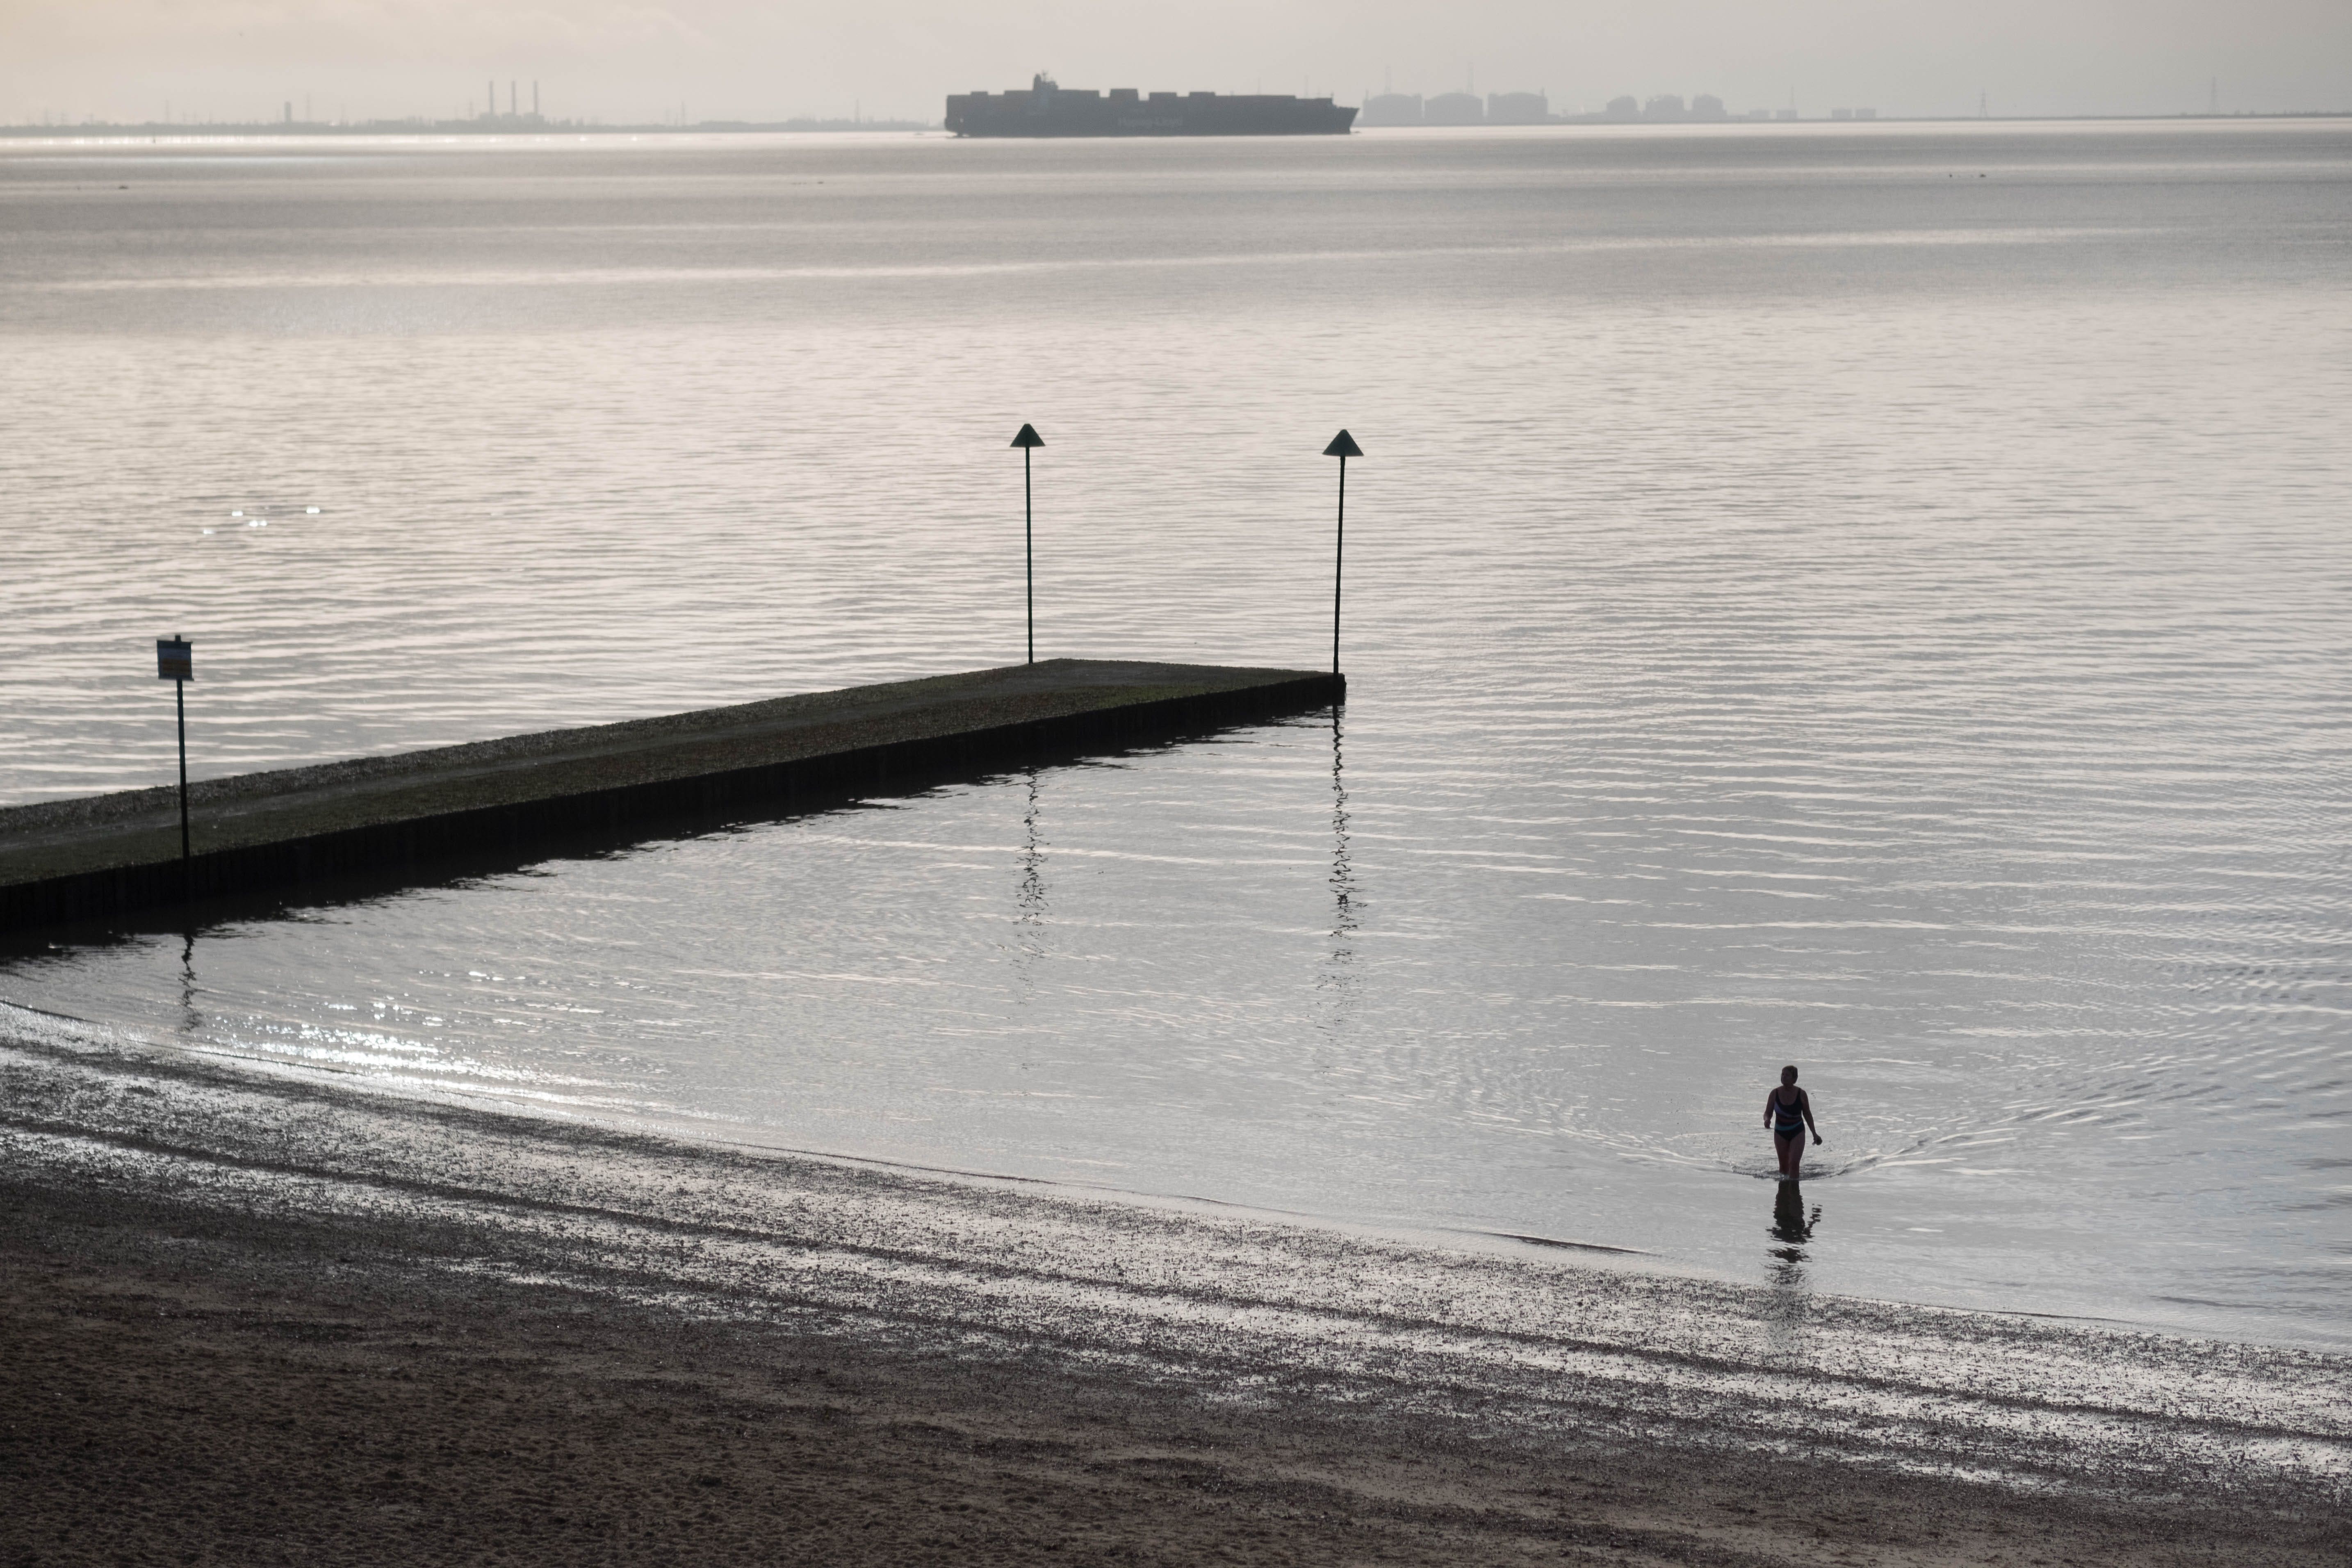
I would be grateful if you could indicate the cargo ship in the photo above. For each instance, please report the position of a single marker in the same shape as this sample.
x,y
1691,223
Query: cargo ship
x,y
1048,109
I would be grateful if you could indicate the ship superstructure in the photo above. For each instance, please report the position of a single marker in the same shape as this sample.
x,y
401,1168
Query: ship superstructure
x,y
1048,109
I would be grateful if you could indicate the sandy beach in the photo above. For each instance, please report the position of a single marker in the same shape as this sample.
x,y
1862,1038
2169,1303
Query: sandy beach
x,y
258,1320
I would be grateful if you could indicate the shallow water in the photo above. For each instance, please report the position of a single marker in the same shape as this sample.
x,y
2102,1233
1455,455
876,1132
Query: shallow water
x,y
1807,602
1497,1343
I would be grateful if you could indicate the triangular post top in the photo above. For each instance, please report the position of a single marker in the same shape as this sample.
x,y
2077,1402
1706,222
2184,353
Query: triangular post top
x,y
1028,437
1343,446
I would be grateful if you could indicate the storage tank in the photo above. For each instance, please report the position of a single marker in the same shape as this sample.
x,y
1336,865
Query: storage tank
x,y
1453,108
1517,109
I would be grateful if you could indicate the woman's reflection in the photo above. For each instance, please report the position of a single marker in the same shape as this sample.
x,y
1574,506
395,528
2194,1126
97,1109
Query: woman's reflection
x,y
1792,1221
1793,1226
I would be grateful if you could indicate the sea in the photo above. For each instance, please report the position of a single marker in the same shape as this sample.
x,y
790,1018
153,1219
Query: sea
x,y
1870,597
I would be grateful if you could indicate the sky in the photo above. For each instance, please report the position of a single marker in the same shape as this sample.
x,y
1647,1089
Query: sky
x,y
647,61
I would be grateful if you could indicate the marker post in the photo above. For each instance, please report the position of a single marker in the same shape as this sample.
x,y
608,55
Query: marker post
x,y
1343,447
175,661
1028,440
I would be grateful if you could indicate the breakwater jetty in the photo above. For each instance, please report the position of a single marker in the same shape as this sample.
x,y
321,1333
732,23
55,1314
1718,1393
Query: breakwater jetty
x,y
72,860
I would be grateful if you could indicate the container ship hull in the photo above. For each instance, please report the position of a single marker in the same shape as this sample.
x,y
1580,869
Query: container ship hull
x,y
1046,109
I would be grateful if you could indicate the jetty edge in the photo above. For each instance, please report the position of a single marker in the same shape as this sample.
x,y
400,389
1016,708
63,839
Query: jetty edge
x,y
67,861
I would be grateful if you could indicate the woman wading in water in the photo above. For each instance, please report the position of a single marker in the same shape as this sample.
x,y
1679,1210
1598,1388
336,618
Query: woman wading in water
x,y
1789,1112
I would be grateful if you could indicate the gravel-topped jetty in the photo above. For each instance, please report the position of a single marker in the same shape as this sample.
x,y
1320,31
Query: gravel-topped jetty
x,y
68,860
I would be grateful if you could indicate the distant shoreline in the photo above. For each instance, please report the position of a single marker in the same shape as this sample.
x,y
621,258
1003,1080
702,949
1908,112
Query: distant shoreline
x,y
299,129
463,128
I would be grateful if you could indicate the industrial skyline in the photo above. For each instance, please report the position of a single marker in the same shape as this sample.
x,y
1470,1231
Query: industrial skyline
x,y
715,60
518,107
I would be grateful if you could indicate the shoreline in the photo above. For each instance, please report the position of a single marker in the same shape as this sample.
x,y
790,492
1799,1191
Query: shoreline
x,y
244,1208
466,129
725,1137
722,1136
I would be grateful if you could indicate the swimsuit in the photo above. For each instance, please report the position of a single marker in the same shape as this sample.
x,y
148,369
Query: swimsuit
x,y
1787,1120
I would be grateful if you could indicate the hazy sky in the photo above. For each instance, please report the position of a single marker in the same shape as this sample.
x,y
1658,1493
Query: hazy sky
x,y
742,58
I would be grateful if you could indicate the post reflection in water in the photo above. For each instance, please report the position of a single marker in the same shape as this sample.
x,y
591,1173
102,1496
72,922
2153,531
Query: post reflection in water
x,y
1029,897
190,1019
1338,970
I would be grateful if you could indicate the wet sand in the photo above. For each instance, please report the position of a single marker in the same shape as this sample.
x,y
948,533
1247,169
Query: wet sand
x,y
259,1321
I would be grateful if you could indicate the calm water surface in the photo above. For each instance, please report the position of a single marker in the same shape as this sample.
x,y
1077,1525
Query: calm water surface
x,y
1876,597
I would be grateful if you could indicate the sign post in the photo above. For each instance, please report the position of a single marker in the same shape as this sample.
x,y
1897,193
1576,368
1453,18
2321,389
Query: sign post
x,y
1028,440
175,661
1343,447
